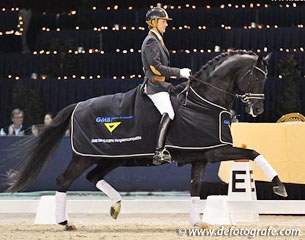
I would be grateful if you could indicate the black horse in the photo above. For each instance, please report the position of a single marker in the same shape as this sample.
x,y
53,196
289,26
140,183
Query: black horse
x,y
229,76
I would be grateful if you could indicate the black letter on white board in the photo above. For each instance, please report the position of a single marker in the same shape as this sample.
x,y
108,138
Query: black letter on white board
x,y
237,180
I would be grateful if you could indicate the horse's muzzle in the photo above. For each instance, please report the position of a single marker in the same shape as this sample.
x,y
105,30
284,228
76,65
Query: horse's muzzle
x,y
255,109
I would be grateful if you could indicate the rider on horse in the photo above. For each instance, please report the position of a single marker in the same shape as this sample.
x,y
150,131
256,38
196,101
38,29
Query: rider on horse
x,y
155,59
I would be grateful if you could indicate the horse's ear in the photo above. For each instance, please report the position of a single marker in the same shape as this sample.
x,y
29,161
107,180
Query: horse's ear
x,y
267,58
260,59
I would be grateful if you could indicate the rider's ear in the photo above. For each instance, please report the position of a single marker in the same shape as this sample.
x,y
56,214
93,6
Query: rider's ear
x,y
267,58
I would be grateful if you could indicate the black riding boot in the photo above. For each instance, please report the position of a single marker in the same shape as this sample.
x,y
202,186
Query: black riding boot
x,y
162,155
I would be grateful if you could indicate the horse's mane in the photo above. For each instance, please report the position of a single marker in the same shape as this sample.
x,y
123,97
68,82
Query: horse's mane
x,y
210,66
206,69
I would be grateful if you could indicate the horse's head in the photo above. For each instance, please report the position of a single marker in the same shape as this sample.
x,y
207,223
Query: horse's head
x,y
251,84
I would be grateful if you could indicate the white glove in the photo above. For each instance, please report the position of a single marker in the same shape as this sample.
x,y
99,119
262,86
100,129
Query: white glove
x,y
185,73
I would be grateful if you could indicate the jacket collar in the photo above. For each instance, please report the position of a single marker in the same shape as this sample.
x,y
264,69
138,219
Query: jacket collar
x,y
160,38
157,34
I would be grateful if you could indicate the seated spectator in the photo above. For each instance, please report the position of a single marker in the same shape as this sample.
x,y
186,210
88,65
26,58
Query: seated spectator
x,y
2,133
48,118
17,128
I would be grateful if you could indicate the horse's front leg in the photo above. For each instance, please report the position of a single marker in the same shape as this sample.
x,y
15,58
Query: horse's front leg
x,y
196,177
227,153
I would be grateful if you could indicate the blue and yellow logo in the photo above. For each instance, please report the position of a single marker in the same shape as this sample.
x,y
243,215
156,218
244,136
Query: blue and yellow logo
x,y
111,123
112,126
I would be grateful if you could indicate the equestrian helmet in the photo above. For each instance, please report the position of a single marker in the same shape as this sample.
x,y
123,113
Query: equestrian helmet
x,y
156,13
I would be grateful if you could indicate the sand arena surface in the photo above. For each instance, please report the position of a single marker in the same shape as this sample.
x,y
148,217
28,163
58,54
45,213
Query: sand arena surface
x,y
132,227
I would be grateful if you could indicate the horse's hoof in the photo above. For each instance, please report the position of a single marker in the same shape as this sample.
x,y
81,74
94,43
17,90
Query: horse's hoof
x,y
280,190
70,227
115,210
203,225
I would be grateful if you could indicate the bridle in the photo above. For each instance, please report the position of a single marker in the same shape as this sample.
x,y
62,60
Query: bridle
x,y
245,97
248,96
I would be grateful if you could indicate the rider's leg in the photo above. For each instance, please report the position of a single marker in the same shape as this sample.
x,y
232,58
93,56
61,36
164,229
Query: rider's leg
x,y
162,102
160,154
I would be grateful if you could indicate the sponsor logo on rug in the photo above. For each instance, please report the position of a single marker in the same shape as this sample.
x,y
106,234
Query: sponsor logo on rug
x,y
111,123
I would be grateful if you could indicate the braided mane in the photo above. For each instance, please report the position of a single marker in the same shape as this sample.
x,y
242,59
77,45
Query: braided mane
x,y
206,69
209,67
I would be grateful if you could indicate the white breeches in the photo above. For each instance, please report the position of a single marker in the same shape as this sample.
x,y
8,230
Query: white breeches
x,y
163,103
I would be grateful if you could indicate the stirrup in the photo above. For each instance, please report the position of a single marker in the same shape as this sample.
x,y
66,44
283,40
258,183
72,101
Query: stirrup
x,y
162,157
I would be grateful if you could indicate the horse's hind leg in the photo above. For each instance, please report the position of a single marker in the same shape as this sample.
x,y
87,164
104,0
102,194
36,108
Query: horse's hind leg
x,y
233,153
76,167
96,176
196,177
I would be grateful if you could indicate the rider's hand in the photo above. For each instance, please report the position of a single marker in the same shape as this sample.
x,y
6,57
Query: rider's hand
x,y
185,73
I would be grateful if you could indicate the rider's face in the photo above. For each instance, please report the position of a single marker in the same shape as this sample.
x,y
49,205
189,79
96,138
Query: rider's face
x,y
162,24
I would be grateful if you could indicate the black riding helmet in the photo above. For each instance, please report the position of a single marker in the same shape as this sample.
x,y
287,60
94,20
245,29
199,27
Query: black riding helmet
x,y
156,13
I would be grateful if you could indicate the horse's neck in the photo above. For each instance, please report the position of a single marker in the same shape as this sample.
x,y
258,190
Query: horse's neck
x,y
209,93
215,95
178,88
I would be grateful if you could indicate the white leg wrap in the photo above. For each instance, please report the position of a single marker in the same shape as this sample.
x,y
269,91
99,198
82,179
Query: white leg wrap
x,y
195,210
108,190
265,166
60,207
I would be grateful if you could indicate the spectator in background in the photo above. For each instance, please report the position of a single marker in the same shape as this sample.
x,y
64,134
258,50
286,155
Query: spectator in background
x,y
48,118
17,128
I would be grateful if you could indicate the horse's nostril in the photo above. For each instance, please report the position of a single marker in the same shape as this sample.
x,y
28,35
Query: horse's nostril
x,y
259,110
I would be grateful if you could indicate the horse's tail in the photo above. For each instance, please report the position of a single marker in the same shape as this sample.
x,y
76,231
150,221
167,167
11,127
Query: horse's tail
x,y
35,151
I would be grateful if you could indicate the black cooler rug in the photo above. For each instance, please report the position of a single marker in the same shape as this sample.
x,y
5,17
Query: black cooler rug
x,y
125,125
